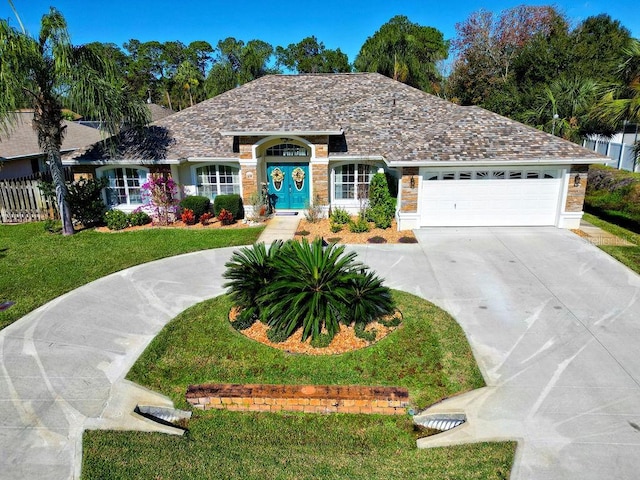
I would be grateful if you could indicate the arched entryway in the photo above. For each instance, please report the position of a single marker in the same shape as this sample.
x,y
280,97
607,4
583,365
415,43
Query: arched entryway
x,y
287,166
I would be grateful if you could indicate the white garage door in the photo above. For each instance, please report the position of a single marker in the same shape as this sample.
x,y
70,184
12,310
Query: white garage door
x,y
490,198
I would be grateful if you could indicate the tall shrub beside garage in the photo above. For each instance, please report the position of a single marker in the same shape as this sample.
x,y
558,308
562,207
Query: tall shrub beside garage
x,y
381,208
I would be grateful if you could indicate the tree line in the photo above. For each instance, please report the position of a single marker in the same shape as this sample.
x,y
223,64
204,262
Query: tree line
x,y
178,75
526,63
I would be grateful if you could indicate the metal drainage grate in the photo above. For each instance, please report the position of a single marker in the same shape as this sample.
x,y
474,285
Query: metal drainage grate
x,y
164,415
441,422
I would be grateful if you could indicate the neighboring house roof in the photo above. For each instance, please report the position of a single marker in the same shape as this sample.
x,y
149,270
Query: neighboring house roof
x,y
379,117
22,140
158,112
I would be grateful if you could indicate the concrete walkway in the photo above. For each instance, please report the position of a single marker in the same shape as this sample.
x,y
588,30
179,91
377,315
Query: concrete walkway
x,y
280,227
553,321
597,236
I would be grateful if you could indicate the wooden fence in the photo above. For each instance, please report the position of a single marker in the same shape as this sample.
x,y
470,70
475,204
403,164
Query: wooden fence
x,y
22,201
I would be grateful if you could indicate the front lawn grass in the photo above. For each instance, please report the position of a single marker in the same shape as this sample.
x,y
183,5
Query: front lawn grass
x,y
38,266
629,256
234,445
429,355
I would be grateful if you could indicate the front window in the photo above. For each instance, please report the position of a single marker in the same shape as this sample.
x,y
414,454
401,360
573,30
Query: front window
x,y
216,180
352,181
124,185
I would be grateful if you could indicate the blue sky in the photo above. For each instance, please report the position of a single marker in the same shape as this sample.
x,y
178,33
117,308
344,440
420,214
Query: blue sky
x,y
344,24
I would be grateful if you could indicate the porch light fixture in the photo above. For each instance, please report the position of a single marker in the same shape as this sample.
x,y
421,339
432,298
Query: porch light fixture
x,y
412,182
576,180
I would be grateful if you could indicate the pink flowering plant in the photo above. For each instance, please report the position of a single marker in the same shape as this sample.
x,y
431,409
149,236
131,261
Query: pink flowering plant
x,y
160,197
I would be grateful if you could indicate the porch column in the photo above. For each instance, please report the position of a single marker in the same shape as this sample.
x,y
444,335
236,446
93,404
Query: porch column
x,y
408,199
575,182
249,179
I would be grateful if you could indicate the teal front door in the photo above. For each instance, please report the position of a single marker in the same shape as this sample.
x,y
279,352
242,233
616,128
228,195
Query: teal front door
x,y
288,185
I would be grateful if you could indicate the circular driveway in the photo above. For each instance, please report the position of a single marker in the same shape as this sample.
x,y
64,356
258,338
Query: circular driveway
x,y
553,321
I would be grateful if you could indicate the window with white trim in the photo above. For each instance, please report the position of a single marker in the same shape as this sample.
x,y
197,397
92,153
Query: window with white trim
x,y
216,180
124,185
351,182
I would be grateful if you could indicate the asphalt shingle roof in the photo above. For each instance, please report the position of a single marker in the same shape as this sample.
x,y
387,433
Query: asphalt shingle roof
x,y
379,117
22,140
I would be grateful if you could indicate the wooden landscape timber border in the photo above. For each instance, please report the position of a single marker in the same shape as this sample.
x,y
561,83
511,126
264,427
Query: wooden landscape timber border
x,y
299,398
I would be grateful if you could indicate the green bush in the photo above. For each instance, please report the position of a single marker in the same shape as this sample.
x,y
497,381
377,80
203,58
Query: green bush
x,y
139,218
232,203
340,216
359,226
381,205
84,197
335,227
197,204
116,219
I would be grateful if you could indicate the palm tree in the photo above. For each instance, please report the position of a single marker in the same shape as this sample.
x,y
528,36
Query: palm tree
x,y
46,73
562,107
621,102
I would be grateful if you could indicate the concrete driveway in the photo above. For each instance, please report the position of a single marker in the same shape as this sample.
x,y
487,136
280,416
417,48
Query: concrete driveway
x,y
553,321
555,326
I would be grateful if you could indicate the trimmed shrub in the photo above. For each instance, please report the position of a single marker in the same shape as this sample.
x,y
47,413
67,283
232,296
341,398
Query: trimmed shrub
x,y
381,205
198,204
232,203
340,216
138,218
116,219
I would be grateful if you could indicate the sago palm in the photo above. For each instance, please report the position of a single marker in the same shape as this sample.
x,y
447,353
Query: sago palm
x,y
249,271
46,73
311,290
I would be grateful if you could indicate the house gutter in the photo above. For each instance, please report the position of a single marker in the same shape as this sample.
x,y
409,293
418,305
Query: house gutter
x,y
283,133
492,163
121,162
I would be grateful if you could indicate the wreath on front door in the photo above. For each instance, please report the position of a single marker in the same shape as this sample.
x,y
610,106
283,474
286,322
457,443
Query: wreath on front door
x,y
277,176
298,177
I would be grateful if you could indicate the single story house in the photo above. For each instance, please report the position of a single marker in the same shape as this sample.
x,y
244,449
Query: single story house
x,y
321,137
20,154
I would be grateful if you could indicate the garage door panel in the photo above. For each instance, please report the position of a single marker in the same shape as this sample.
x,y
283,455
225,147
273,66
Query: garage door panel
x,y
489,202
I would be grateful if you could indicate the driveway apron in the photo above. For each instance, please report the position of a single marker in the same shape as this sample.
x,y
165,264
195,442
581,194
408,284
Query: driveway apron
x,y
553,322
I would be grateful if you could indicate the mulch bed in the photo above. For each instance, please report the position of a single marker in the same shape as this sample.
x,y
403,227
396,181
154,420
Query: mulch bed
x,y
322,229
344,341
